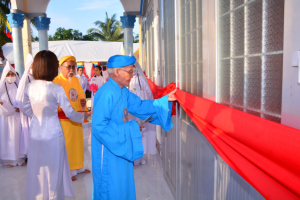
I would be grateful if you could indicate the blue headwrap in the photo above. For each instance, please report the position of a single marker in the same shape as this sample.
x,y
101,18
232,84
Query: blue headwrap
x,y
120,61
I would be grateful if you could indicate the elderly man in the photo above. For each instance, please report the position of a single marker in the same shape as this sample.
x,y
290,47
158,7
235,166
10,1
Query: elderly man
x,y
116,141
72,130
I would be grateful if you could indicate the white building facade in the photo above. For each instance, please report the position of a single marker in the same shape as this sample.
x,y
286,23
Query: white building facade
x,y
234,52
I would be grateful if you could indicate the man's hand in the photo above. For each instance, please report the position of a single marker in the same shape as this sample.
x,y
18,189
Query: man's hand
x,y
17,109
141,127
1,103
172,95
87,115
83,102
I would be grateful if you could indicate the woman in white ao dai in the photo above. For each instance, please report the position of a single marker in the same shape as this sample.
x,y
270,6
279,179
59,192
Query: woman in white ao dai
x,y
48,172
97,80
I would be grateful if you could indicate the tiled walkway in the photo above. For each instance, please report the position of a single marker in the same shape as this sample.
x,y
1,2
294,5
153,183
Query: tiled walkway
x,y
149,181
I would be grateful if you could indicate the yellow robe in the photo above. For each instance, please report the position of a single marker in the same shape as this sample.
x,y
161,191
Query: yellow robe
x,y
72,130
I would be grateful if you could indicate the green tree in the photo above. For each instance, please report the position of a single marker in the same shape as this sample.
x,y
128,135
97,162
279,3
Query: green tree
x,y
136,38
109,30
70,34
77,35
50,38
63,34
89,37
4,9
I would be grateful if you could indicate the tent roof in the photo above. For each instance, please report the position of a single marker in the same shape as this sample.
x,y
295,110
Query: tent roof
x,y
84,51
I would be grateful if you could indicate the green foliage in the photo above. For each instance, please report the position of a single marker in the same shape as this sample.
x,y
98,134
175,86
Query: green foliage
x,y
136,38
89,37
50,38
4,9
109,30
70,34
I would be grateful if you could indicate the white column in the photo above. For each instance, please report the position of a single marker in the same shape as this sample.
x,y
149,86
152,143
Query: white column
x,y
128,40
128,25
16,23
42,24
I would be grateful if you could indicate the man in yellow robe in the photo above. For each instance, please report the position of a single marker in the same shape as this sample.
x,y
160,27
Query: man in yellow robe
x,y
72,130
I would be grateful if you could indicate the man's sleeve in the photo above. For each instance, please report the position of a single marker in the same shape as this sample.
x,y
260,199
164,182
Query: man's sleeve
x,y
159,109
122,139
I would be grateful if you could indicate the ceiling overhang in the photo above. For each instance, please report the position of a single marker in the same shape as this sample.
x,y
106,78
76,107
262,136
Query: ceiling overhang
x,y
30,8
132,7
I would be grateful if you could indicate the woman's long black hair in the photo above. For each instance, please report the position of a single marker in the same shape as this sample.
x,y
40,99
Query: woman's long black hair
x,y
100,68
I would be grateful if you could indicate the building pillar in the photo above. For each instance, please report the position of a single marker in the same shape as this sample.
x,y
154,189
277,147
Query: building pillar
x,y
128,25
26,36
42,24
16,23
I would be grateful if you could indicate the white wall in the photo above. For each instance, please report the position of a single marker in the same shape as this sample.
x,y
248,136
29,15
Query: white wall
x,y
290,114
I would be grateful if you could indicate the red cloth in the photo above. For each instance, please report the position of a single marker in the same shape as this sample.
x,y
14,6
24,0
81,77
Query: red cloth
x,y
62,115
93,72
266,154
159,92
84,72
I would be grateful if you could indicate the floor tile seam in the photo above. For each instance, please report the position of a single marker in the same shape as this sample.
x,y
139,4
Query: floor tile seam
x,y
9,192
10,185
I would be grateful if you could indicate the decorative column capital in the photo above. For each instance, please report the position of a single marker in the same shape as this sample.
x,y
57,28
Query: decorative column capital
x,y
42,23
127,21
15,20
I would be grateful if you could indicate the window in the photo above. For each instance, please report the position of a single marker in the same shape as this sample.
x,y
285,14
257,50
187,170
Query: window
x,y
250,56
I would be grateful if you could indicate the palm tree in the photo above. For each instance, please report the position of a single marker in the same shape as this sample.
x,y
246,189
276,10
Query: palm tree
x,y
4,9
109,30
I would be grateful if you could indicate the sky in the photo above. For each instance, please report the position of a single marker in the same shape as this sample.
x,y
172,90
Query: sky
x,y
81,14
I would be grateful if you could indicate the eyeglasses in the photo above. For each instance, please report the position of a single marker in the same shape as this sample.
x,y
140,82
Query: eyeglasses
x,y
69,67
133,72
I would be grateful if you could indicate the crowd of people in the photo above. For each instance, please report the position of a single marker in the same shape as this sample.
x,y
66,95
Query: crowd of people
x,y
41,118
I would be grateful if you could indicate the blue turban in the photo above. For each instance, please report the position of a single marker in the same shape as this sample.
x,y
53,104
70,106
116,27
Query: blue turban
x,y
120,61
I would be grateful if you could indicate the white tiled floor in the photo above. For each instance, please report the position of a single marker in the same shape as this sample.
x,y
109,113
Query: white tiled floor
x,y
149,181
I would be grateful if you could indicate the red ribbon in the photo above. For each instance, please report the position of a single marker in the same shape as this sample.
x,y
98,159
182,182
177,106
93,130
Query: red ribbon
x,y
264,153
62,115
159,92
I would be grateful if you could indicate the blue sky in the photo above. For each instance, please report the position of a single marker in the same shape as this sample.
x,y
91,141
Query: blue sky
x,y
81,14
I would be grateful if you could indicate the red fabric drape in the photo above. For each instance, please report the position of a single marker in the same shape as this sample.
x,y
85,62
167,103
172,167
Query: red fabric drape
x,y
159,92
93,72
264,153
62,115
84,72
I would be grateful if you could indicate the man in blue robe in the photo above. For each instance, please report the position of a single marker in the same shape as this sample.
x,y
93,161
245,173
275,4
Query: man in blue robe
x,y
117,142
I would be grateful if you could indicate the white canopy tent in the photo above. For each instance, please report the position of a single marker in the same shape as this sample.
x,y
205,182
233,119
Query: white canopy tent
x,y
83,51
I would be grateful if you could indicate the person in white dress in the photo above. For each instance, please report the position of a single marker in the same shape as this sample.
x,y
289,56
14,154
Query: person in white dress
x,y
98,80
139,86
48,172
105,73
10,123
26,79
82,79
